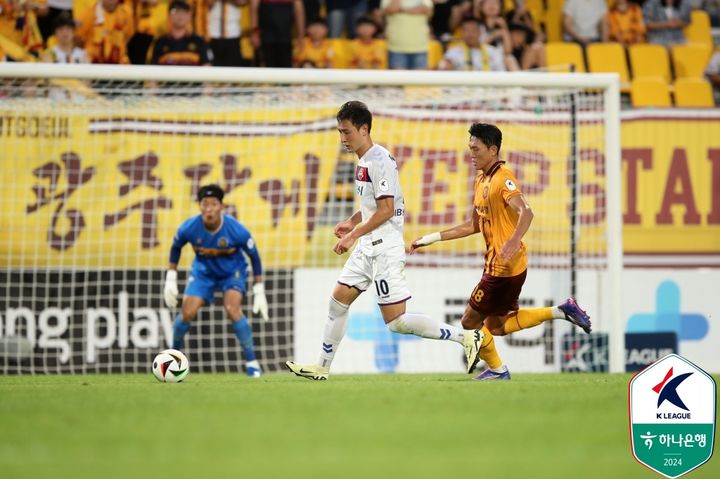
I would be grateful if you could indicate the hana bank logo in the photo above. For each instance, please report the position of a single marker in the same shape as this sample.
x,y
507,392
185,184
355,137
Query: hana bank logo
x,y
667,389
668,316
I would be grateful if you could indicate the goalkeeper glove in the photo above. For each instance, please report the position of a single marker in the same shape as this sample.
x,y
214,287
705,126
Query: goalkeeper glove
x,y
260,304
170,292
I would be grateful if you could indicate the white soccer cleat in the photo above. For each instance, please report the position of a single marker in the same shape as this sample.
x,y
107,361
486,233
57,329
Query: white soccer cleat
x,y
472,340
253,369
308,371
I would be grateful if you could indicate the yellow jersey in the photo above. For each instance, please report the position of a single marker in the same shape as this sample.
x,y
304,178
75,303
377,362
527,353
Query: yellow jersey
x,y
493,191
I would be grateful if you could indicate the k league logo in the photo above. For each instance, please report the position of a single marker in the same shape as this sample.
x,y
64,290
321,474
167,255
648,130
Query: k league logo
x,y
672,416
668,390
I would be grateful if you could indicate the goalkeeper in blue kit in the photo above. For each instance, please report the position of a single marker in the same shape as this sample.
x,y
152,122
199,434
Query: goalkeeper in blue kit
x,y
220,243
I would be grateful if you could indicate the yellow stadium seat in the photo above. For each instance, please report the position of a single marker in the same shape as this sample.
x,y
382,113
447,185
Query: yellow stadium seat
x,y
649,60
553,22
341,52
609,58
537,10
650,91
699,30
693,92
690,60
435,54
562,54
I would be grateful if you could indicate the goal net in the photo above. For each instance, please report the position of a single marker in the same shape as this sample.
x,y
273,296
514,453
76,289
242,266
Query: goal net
x,y
102,164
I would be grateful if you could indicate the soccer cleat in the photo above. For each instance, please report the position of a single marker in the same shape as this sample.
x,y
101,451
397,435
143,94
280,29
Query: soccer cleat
x,y
309,371
472,341
490,375
252,369
575,315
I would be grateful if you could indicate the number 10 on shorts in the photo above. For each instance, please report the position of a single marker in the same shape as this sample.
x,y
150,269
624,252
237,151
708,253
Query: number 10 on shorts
x,y
381,288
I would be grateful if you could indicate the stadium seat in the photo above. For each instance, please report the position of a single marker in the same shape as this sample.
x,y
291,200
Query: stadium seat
x,y
536,9
609,58
341,52
690,60
553,21
650,91
562,54
693,92
699,30
435,54
649,60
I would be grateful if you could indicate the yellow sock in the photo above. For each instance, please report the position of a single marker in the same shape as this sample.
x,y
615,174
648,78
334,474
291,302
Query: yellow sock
x,y
488,353
526,318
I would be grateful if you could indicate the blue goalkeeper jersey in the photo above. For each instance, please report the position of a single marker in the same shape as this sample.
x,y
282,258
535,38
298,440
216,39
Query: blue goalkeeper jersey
x,y
218,254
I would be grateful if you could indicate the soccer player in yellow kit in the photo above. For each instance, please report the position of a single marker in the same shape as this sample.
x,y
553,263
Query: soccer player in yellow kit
x,y
503,215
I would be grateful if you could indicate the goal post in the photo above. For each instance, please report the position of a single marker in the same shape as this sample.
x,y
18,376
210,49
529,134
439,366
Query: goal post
x,y
105,161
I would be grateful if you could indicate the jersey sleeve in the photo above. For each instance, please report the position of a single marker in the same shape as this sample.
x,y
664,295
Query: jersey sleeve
x,y
247,244
509,186
384,177
179,241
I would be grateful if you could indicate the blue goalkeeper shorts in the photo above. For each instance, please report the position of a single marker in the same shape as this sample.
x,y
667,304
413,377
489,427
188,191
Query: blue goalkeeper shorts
x,y
204,286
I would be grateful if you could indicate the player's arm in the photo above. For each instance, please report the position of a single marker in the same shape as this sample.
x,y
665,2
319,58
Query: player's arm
x,y
170,291
259,304
385,210
525,217
344,227
470,227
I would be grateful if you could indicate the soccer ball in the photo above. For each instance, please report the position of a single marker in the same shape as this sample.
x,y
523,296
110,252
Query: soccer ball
x,y
170,366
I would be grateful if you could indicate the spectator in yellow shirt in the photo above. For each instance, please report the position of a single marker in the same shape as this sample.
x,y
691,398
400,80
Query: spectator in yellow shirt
x,y
105,29
625,23
366,51
407,32
316,49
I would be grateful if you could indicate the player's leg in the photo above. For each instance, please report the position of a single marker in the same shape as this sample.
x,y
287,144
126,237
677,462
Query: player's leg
x,y
233,289
472,319
393,291
518,319
352,282
199,290
531,317
336,325
486,307
190,307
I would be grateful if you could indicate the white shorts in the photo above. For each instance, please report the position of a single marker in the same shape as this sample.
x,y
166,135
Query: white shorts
x,y
384,273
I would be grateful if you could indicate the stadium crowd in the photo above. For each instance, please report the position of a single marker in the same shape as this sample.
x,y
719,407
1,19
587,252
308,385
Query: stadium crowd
x,y
482,35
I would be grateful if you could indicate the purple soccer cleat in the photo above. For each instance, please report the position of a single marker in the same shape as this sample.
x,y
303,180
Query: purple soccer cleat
x,y
490,375
575,315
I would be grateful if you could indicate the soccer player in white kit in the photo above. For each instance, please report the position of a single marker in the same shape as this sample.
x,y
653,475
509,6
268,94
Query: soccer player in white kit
x,y
378,261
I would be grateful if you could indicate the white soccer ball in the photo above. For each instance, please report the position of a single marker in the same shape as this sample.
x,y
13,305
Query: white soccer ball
x,y
170,366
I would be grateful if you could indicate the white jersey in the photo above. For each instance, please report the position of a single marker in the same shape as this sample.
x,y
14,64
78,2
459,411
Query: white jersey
x,y
376,177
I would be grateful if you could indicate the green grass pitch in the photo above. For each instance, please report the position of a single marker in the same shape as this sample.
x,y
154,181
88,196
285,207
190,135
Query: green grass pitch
x,y
280,426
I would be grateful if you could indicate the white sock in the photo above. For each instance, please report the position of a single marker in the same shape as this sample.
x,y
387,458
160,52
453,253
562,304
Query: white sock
x,y
334,331
557,313
425,327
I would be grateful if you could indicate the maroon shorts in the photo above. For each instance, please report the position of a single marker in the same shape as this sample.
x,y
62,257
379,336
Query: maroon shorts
x,y
497,295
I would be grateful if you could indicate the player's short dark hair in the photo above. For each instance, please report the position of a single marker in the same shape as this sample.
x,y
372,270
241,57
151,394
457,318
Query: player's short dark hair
x,y
489,134
211,191
63,20
357,112
472,20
